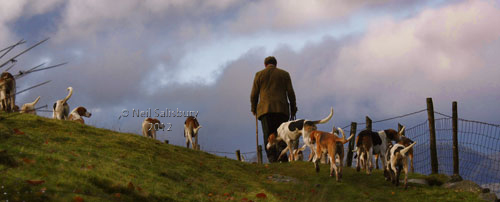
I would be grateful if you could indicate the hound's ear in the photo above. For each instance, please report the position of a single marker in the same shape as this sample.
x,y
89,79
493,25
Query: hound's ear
x,y
271,138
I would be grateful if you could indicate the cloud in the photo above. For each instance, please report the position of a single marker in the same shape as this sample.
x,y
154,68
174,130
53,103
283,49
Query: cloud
x,y
282,15
436,53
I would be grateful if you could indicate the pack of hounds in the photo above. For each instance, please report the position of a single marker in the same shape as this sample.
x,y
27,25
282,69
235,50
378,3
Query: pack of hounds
x,y
60,107
394,157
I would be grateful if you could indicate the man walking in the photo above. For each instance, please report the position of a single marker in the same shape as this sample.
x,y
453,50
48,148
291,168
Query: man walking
x,y
271,91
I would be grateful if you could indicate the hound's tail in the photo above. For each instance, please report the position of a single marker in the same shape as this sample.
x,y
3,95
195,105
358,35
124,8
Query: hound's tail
x,y
195,130
325,120
34,102
403,151
343,136
70,89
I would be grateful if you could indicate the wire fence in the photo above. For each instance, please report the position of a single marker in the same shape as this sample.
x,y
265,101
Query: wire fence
x,y
478,148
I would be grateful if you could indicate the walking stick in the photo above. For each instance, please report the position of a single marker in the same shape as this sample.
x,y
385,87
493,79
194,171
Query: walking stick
x,y
259,150
256,131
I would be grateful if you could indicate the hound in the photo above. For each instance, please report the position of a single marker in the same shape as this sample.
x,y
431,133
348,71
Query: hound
x,y
29,108
397,160
290,131
327,142
364,149
7,92
191,127
339,153
407,142
149,127
61,107
78,113
369,143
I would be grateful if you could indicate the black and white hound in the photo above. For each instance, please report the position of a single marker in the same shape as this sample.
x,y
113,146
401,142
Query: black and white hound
x,y
61,107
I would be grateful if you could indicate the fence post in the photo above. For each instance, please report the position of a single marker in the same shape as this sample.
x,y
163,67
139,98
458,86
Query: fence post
x,y
368,123
432,138
166,141
455,139
351,144
238,155
259,154
399,129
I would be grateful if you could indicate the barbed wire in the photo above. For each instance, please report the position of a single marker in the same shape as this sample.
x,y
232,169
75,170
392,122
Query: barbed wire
x,y
401,116
219,152
473,121
45,110
224,152
391,118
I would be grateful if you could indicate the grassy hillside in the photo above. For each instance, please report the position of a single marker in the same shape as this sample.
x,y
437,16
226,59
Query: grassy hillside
x,y
45,159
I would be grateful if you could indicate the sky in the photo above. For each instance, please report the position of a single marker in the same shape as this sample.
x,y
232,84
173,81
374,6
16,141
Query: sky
x,y
377,58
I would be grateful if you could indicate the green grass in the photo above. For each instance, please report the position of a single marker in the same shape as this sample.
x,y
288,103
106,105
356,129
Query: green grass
x,y
83,162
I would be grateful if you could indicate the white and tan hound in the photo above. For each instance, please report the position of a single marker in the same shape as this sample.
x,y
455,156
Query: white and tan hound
x,y
78,113
7,92
191,128
327,143
61,107
397,160
29,108
149,127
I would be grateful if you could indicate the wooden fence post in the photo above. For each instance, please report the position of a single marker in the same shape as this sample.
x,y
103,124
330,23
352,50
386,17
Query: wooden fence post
x,y
351,144
368,123
238,155
399,129
259,154
432,138
166,141
455,138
